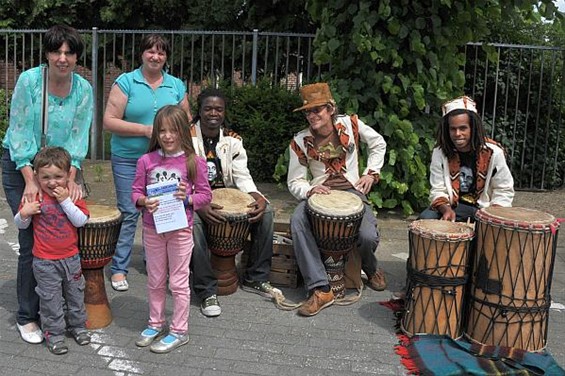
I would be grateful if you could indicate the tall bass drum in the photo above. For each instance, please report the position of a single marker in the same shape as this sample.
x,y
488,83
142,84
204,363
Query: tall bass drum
x,y
437,270
512,273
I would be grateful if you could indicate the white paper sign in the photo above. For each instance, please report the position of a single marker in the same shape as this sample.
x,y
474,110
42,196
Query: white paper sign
x,y
171,214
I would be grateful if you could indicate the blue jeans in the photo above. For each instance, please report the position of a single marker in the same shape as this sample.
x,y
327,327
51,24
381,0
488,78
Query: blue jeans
x,y
123,170
28,300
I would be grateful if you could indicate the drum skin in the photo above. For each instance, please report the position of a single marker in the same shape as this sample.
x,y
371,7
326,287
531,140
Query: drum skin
x,y
226,240
97,243
512,273
335,219
437,276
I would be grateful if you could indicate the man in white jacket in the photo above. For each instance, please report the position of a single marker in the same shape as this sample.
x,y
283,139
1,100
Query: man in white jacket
x,y
468,171
227,168
324,157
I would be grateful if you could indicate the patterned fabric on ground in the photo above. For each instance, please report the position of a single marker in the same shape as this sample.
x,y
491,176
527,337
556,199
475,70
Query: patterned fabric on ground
x,y
434,355
441,355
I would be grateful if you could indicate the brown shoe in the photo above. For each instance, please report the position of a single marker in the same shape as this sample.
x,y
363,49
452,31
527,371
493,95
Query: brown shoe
x,y
377,281
317,301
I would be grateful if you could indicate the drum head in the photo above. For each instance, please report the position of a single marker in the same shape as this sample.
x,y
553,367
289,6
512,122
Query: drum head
x,y
234,201
102,213
516,217
338,203
441,230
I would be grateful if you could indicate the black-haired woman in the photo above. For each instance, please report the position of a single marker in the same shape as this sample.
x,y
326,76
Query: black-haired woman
x,y
66,123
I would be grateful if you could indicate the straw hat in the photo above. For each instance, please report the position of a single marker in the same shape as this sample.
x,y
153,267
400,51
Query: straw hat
x,y
461,103
315,95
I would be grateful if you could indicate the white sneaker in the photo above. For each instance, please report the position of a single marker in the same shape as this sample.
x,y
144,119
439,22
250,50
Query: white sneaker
x,y
210,307
30,333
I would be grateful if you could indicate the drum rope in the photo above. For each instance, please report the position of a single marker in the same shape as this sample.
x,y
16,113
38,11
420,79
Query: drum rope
x,y
505,308
419,277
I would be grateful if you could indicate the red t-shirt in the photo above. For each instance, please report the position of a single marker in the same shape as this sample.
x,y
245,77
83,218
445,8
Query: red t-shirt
x,y
54,236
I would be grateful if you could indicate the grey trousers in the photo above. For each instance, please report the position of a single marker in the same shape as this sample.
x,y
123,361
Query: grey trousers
x,y
58,281
308,256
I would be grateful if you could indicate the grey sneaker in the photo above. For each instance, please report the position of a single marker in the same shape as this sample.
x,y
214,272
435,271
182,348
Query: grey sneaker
x,y
148,335
82,337
210,306
169,343
262,288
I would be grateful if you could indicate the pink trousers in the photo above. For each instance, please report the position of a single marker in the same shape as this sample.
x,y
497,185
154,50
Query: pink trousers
x,y
169,255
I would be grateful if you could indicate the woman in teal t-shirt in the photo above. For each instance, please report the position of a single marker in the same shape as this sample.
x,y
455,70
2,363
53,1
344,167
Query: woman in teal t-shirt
x,y
69,116
134,100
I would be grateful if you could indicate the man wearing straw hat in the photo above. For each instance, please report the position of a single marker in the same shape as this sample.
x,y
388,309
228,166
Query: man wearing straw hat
x,y
468,171
324,157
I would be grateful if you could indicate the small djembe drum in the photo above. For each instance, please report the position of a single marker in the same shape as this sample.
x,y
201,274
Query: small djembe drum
x,y
226,240
335,219
97,242
512,273
437,271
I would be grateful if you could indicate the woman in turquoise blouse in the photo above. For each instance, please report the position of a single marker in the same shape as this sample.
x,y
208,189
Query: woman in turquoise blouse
x,y
132,104
69,116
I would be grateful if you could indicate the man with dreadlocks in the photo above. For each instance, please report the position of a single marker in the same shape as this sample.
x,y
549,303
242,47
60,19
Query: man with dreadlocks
x,y
468,171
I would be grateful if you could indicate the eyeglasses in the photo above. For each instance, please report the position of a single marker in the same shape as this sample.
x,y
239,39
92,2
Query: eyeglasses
x,y
314,110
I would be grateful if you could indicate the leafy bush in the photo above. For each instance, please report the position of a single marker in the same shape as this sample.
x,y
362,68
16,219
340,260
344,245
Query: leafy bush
x,y
263,116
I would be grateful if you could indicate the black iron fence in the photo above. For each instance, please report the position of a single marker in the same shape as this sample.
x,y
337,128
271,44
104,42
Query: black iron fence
x,y
519,89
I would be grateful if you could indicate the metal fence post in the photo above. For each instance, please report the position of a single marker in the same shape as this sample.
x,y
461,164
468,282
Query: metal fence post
x,y
254,57
94,125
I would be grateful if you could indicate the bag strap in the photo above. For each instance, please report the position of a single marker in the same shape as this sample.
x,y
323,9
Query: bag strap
x,y
44,104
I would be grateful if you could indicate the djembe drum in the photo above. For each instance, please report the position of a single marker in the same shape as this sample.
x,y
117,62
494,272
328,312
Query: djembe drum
x,y
512,272
437,270
97,242
226,240
335,219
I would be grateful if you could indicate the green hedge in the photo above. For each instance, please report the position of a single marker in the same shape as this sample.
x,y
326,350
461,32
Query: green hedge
x,y
263,116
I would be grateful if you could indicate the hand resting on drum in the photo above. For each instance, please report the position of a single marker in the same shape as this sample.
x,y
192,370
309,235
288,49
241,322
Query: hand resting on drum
x,y
319,189
210,214
447,214
260,205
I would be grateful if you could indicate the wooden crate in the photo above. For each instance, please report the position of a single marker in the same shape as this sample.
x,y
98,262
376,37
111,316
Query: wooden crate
x,y
284,269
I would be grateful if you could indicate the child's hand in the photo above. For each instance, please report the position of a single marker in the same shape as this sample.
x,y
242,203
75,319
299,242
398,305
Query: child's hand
x,y
151,204
181,192
29,209
61,193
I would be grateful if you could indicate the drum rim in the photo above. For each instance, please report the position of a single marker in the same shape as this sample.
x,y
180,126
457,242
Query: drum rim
x,y
485,216
468,234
